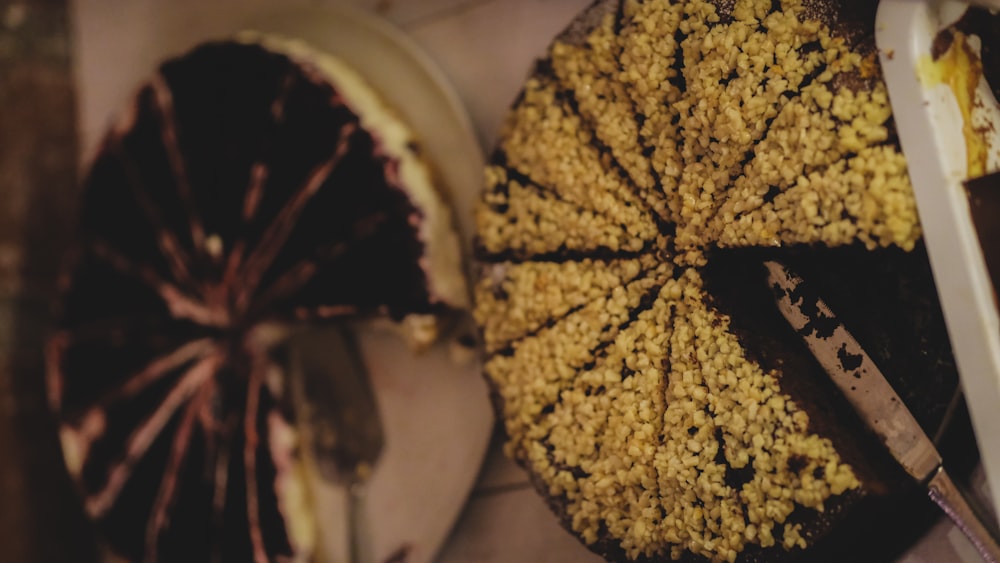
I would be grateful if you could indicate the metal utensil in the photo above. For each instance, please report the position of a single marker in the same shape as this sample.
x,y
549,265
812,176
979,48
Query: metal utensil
x,y
878,405
339,419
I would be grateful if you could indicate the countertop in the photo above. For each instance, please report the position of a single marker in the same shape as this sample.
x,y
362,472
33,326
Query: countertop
x,y
484,47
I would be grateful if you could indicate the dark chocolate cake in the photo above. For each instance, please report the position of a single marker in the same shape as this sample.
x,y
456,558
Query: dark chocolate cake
x,y
251,185
659,154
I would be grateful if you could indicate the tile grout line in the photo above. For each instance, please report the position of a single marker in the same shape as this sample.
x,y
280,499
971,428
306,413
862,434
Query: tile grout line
x,y
495,490
443,13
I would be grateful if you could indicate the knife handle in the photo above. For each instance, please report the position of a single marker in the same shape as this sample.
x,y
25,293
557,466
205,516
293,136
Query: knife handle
x,y
944,492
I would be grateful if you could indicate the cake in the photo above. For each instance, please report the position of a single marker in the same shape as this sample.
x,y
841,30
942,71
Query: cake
x,y
655,158
251,185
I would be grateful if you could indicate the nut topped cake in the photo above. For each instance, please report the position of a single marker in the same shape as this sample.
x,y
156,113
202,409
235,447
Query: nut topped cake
x,y
645,379
252,185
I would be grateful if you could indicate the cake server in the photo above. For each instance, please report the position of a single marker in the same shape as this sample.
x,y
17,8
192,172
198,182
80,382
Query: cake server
x,y
339,419
949,128
878,405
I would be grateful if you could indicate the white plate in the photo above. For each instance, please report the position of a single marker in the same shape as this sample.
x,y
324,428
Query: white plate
x,y
437,414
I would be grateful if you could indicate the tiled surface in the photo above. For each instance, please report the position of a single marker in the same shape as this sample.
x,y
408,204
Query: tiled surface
x,y
487,50
407,13
485,47
513,526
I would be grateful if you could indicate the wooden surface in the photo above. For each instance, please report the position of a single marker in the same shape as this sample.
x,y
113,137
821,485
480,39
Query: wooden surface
x,y
485,47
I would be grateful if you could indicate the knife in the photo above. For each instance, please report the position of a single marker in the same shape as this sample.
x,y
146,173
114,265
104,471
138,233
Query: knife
x,y
878,405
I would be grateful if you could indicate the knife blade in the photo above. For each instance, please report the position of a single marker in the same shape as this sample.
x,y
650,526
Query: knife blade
x,y
854,372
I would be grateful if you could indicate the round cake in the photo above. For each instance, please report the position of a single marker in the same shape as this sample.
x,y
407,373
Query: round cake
x,y
252,185
659,154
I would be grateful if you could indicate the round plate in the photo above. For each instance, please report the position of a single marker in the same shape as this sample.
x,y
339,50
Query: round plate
x,y
436,412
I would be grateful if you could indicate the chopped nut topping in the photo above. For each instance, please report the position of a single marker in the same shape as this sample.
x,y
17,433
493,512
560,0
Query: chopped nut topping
x,y
524,220
522,297
548,144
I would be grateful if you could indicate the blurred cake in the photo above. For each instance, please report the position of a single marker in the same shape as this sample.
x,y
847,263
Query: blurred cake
x,y
251,185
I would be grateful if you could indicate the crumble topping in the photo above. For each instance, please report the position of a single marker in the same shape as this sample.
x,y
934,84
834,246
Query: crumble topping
x,y
518,298
547,142
521,219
